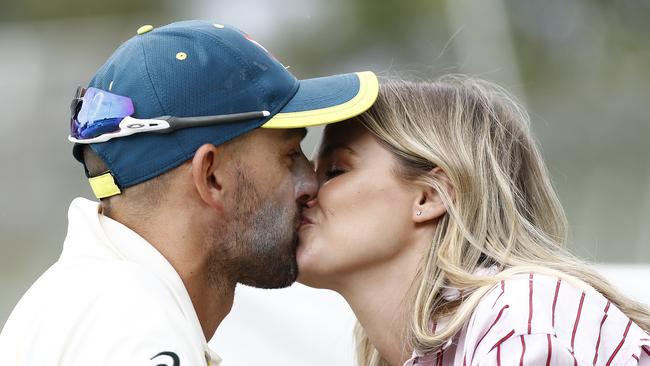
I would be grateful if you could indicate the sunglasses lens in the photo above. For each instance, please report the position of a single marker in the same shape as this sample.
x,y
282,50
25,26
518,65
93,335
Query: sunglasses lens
x,y
97,112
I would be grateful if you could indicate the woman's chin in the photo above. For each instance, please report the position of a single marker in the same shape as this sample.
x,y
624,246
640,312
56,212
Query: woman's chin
x,y
305,248
305,268
309,271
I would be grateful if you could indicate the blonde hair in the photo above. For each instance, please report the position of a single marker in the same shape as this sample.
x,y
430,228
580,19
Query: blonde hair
x,y
503,211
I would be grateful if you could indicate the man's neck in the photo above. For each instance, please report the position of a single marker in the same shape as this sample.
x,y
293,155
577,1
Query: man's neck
x,y
211,293
212,297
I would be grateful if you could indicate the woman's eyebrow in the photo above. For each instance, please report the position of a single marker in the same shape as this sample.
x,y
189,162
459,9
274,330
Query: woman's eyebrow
x,y
328,149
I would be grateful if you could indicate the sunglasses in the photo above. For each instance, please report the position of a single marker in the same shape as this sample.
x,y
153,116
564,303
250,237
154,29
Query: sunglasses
x,y
98,116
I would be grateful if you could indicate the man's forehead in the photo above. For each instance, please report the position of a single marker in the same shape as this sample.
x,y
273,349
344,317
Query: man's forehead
x,y
273,135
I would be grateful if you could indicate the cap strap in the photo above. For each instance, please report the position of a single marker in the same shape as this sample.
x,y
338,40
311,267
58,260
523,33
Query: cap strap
x,y
104,185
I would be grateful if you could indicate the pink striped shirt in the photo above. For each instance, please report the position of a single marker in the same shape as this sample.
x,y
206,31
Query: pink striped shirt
x,y
536,319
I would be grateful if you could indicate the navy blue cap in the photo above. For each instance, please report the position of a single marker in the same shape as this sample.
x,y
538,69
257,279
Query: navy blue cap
x,y
198,68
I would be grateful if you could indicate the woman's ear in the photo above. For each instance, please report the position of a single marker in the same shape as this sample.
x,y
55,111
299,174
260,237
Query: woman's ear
x,y
429,204
207,175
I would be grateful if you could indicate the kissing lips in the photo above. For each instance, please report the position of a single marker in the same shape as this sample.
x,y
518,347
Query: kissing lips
x,y
306,221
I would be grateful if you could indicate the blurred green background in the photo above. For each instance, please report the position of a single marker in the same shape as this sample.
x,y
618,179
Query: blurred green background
x,y
581,68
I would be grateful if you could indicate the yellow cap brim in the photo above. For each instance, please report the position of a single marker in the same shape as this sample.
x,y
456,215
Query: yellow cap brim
x,y
327,100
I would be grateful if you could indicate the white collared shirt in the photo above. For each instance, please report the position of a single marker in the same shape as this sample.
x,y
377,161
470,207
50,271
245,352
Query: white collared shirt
x,y
110,299
536,319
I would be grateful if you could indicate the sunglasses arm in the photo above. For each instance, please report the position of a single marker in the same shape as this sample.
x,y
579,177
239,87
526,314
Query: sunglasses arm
x,y
177,123
165,124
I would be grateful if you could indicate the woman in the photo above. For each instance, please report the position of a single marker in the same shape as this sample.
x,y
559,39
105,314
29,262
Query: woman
x,y
437,221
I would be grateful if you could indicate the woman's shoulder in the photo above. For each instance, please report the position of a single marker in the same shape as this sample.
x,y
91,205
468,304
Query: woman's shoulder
x,y
575,316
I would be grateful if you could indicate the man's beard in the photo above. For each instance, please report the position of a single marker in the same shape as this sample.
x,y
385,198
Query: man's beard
x,y
257,244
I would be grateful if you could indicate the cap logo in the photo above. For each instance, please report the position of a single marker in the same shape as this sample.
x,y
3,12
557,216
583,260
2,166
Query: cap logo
x,y
262,47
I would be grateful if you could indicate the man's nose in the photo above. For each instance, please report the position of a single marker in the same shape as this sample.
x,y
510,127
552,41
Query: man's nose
x,y
305,181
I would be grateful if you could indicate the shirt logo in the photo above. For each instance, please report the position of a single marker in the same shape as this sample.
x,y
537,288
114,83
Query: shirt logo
x,y
172,355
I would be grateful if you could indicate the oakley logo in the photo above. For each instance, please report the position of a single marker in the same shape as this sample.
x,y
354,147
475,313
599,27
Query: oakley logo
x,y
172,355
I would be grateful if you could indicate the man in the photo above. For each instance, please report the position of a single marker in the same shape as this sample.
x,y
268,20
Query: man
x,y
195,198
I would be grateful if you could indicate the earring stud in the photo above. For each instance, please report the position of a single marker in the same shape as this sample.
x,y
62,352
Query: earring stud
x,y
418,213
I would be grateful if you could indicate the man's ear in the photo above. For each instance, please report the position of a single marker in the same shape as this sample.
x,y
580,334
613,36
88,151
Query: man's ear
x,y
429,204
208,173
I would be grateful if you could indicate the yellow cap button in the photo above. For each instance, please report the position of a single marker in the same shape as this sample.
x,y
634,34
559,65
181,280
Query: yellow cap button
x,y
181,56
145,28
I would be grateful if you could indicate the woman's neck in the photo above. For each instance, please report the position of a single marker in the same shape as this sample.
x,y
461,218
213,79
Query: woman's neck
x,y
380,298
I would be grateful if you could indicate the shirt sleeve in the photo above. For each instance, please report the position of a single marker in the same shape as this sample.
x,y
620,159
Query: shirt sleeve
x,y
529,349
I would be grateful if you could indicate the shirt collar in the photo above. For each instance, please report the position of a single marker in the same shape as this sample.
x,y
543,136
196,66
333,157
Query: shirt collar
x,y
423,358
93,235
449,294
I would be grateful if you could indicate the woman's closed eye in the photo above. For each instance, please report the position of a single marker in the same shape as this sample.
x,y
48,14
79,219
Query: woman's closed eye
x,y
333,171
